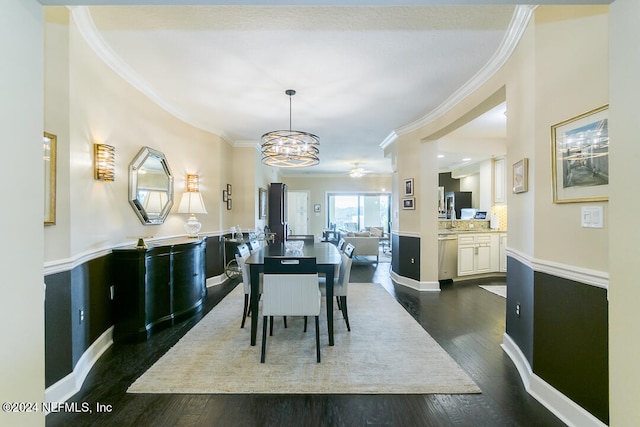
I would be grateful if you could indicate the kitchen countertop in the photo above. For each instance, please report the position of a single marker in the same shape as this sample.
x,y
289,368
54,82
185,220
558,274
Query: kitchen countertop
x,y
469,231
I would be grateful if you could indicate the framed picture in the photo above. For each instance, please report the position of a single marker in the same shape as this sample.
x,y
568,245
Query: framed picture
x,y
225,196
580,156
408,187
408,203
316,208
228,189
49,157
521,176
229,205
262,199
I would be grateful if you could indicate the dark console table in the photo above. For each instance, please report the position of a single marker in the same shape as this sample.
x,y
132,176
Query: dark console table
x,y
156,286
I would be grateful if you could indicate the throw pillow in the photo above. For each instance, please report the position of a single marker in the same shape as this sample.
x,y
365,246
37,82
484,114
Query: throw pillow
x,y
376,232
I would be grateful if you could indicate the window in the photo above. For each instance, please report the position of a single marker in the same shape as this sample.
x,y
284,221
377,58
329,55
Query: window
x,y
355,212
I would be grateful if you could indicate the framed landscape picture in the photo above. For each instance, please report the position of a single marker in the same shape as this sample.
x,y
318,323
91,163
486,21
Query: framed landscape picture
x,y
580,156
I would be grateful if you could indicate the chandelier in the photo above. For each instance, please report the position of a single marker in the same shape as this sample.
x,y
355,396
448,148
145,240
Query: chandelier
x,y
290,148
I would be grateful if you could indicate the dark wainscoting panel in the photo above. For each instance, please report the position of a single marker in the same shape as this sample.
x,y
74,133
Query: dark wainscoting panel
x,y
87,287
403,250
571,341
215,256
520,291
57,329
395,247
67,337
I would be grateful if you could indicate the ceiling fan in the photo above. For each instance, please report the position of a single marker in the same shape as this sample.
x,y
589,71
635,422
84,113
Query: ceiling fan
x,y
357,172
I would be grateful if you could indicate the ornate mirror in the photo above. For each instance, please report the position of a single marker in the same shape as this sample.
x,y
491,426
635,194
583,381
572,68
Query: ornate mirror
x,y
150,186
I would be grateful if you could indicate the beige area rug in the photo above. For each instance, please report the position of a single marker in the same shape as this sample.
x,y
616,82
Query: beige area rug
x,y
500,290
386,352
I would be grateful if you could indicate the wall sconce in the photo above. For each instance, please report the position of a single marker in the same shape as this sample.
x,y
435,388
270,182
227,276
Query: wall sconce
x,y
192,203
104,162
193,183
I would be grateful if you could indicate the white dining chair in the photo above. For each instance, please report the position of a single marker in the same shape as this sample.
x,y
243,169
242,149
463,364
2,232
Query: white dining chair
x,y
290,288
241,258
341,287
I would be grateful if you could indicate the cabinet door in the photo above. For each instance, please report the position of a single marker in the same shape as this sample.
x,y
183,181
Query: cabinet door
x,y
466,260
483,258
157,287
188,278
503,253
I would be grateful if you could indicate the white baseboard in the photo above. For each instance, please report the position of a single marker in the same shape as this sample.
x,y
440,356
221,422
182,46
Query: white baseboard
x,y
415,284
216,280
560,405
71,384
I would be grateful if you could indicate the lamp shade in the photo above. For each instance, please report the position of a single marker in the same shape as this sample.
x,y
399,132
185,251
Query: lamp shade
x,y
192,203
155,201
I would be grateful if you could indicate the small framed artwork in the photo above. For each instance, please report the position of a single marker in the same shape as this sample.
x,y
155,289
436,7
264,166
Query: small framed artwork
x,y
229,205
262,199
409,203
225,196
521,176
316,208
408,187
229,189
580,156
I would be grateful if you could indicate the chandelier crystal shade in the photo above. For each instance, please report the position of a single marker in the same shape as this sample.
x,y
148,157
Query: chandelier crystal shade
x,y
290,148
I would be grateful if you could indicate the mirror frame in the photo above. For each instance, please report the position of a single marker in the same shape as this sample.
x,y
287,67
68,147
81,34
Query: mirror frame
x,y
142,156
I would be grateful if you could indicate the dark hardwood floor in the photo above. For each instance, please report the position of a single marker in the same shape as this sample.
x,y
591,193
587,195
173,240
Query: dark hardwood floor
x,y
468,322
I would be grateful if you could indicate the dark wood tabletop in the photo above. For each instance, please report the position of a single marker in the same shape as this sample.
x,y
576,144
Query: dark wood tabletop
x,y
327,258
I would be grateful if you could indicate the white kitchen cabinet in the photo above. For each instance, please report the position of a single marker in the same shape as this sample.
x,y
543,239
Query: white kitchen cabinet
x,y
477,253
503,252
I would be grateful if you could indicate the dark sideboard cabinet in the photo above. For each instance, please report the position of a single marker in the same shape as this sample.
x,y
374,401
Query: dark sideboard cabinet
x,y
156,286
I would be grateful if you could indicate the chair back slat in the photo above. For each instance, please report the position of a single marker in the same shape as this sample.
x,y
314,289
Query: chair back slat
x,y
348,250
243,250
287,265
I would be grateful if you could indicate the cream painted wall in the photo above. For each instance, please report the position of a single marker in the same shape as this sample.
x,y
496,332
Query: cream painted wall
x,y
21,305
532,90
624,291
411,165
263,176
580,69
107,109
519,77
319,187
56,121
244,193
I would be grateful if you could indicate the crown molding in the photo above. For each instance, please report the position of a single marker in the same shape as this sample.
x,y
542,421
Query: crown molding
x,y
521,17
87,28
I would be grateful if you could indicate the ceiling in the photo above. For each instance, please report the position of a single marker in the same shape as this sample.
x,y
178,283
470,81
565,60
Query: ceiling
x,y
363,75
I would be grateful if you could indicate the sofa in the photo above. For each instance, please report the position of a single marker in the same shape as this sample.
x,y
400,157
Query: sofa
x,y
365,244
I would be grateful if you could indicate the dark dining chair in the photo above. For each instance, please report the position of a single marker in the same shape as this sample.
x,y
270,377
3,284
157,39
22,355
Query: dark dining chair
x,y
290,288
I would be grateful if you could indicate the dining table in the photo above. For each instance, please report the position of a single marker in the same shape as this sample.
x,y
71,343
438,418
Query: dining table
x,y
327,259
